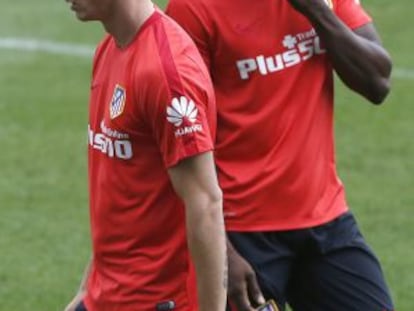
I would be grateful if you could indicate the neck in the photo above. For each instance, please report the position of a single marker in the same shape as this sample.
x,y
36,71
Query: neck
x,y
127,16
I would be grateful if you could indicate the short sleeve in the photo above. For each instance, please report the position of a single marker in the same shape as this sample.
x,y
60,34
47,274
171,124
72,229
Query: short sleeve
x,y
351,13
181,112
191,16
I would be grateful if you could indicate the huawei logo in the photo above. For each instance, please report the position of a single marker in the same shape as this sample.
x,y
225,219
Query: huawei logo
x,y
181,109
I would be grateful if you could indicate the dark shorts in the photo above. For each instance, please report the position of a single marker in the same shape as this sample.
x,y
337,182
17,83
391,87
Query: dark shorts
x,y
324,268
81,307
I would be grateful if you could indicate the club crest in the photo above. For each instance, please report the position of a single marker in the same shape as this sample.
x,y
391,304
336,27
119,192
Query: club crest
x,y
117,105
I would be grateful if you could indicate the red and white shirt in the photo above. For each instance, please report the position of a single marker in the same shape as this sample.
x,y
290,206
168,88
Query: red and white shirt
x,y
274,91
152,105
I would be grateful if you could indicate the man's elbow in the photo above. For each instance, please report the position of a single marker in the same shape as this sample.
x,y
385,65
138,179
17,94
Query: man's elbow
x,y
216,204
379,90
380,84
207,206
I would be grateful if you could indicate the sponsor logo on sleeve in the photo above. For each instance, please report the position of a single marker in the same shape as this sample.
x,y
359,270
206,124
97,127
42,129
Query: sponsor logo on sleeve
x,y
183,114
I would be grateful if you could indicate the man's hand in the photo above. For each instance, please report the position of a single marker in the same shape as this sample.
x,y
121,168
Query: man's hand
x,y
243,289
75,302
357,55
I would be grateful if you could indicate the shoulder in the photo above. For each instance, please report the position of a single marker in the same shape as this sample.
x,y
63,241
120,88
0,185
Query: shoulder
x,y
351,12
196,8
103,45
100,51
190,3
169,30
166,62
177,53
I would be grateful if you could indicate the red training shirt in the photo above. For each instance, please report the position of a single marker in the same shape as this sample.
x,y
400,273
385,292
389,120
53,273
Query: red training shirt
x,y
151,105
274,91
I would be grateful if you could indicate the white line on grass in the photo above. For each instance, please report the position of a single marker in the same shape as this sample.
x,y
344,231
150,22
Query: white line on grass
x,y
71,49
34,45
403,73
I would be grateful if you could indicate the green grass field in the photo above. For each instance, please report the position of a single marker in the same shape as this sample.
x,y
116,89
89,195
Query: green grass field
x,y
44,233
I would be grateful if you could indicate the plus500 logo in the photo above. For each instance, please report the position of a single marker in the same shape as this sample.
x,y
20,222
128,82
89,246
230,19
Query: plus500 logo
x,y
301,47
112,147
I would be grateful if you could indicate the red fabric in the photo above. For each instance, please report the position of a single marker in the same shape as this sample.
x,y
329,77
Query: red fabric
x,y
274,91
151,105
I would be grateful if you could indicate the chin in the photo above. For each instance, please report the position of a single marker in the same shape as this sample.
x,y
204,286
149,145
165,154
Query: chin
x,y
84,17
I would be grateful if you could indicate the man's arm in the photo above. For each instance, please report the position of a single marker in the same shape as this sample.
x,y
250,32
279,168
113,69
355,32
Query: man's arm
x,y
357,56
195,181
81,291
244,292
243,288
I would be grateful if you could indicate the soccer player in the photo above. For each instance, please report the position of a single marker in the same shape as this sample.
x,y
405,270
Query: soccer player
x,y
155,205
272,64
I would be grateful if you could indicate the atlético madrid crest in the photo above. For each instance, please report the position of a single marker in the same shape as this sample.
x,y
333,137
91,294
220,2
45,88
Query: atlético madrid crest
x,y
117,105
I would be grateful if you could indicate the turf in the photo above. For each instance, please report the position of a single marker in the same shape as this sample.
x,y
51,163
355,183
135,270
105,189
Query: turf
x,y
44,240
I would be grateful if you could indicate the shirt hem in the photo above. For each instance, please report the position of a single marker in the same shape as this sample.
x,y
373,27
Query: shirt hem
x,y
283,226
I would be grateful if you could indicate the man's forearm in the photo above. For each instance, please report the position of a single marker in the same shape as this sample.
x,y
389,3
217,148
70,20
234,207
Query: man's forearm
x,y
80,295
206,239
195,181
361,62
85,276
